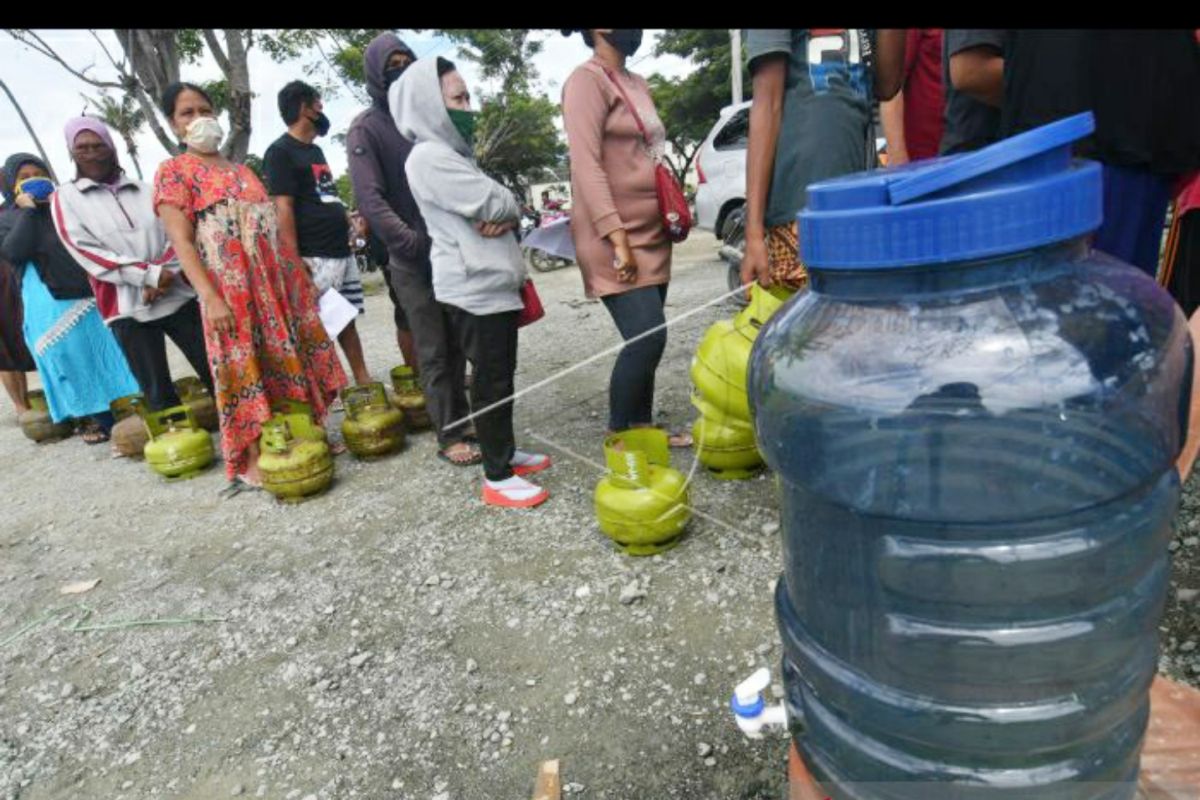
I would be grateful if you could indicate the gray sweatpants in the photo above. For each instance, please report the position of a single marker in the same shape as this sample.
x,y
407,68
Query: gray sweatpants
x,y
441,360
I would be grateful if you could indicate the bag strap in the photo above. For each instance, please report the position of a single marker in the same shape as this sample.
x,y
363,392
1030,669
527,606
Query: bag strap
x,y
632,108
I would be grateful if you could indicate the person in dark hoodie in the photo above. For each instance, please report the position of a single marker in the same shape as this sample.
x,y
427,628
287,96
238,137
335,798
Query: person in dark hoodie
x,y
478,269
376,153
15,358
81,366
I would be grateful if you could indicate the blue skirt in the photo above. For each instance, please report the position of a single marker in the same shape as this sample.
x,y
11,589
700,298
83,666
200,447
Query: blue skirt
x,y
80,363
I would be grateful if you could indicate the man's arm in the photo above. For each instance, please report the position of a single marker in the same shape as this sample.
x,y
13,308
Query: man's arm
x,y
889,62
766,118
285,212
977,63
366,176
891,116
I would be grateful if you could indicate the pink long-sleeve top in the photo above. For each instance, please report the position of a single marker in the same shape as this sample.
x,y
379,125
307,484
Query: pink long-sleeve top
x,y
612,178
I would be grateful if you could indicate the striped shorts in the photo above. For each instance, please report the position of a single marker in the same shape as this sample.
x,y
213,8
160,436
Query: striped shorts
x,y
338,273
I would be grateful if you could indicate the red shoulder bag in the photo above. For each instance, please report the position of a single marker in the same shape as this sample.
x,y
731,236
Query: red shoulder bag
x,y
672,205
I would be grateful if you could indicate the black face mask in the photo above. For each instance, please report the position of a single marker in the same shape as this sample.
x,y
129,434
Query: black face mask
x,y
392,74
626,40
321,123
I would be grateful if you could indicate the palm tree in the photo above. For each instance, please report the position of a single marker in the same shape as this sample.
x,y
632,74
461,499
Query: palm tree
x,y
126,118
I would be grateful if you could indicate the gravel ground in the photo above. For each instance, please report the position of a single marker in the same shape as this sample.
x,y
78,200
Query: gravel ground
x,y
393,638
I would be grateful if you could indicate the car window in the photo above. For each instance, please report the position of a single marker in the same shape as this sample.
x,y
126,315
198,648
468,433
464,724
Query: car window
x,y
736,132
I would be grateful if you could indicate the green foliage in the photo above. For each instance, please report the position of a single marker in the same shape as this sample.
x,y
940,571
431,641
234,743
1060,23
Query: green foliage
x,y
505,54
517,140
339,55
345,190
255,163
689,106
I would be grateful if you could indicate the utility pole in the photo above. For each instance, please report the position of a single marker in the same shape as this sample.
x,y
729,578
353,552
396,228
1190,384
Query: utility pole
x,y
28,127
735,63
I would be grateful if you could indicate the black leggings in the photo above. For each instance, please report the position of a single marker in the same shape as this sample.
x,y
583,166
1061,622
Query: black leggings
x,y
631,388
490,344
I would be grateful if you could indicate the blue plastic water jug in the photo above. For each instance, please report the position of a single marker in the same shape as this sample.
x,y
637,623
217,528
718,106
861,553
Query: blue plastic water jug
x,y
974,418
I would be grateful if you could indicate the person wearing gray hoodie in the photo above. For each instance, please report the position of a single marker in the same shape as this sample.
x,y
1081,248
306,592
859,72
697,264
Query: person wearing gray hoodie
x,y
376,153
478,269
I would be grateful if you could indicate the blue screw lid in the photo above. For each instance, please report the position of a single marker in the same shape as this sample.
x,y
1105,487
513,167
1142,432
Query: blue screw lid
x,y
1019,193
749,712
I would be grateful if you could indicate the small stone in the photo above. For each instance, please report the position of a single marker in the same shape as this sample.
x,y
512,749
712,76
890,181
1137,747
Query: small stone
x,y
397,783
569,698
442,796
136,670
582,592
704,749
507,742
1191,541
432,580
769,528
1187,595
710,762
327,610
631,592
531,682
435,610
1187,646
292,641
699,679
68,689
573,788
237,790
504,716
190,729
360,659
132,758
472,667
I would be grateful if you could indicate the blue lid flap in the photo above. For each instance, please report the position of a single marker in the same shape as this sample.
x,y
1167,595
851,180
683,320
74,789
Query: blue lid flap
x,y
993,159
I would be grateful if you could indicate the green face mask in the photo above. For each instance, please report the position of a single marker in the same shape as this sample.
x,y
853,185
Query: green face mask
x,y
464,123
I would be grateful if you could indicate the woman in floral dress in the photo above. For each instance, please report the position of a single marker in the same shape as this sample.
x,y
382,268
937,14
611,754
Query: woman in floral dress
x,y
264,337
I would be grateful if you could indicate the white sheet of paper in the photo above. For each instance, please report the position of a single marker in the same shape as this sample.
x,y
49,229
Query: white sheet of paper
x,y
336,312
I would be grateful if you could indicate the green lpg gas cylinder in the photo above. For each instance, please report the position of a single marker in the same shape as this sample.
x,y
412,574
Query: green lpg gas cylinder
x,y
372,427
129,435
300,419
724,445
36,423
195,395
408,397
642,504
178,446
295,461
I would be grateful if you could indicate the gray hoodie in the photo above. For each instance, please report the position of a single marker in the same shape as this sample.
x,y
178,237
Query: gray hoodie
x,y
480,275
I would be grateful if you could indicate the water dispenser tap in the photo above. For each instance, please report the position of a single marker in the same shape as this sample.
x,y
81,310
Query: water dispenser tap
x,y
752,714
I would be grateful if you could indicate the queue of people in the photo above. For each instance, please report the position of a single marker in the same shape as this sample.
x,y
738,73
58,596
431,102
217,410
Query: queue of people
x,y
99,270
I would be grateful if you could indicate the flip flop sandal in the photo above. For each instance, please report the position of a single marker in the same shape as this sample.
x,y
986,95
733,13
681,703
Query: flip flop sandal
x,y
471,460
680,441
93,436
236,487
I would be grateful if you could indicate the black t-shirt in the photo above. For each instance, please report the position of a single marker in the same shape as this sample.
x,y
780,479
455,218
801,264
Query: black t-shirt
x,y
970,124
299,170
1143,85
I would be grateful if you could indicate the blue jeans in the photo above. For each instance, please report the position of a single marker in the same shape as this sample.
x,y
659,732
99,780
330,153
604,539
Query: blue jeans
x,y
631,388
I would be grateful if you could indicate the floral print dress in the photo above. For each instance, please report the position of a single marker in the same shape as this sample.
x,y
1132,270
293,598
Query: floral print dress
x,y
280,349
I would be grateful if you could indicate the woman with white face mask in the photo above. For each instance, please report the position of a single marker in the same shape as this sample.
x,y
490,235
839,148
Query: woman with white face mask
x,y
263,334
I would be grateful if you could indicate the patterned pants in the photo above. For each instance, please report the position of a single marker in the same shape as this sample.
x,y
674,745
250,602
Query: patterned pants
x,y
783,257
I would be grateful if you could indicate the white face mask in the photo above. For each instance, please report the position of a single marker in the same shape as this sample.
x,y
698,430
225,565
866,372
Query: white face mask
x,y
204,134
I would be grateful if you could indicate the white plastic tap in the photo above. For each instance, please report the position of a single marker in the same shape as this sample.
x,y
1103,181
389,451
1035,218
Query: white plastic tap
x,y
753,715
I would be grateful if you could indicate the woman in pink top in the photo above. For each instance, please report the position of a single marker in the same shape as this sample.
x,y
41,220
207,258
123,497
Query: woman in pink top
x,y
623,253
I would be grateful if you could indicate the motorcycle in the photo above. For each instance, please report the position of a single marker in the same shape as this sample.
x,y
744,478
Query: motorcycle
x,y
538,259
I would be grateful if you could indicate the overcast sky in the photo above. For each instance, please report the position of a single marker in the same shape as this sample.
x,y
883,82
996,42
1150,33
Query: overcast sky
x,y
49,94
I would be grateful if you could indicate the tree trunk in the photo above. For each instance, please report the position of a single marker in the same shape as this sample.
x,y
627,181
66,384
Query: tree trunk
x,y
36,141
237,77
154,62
131,148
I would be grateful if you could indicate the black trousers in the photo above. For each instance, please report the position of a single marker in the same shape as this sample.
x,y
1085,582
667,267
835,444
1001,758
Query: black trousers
x,y
145,347
490,344
631,387
439,355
